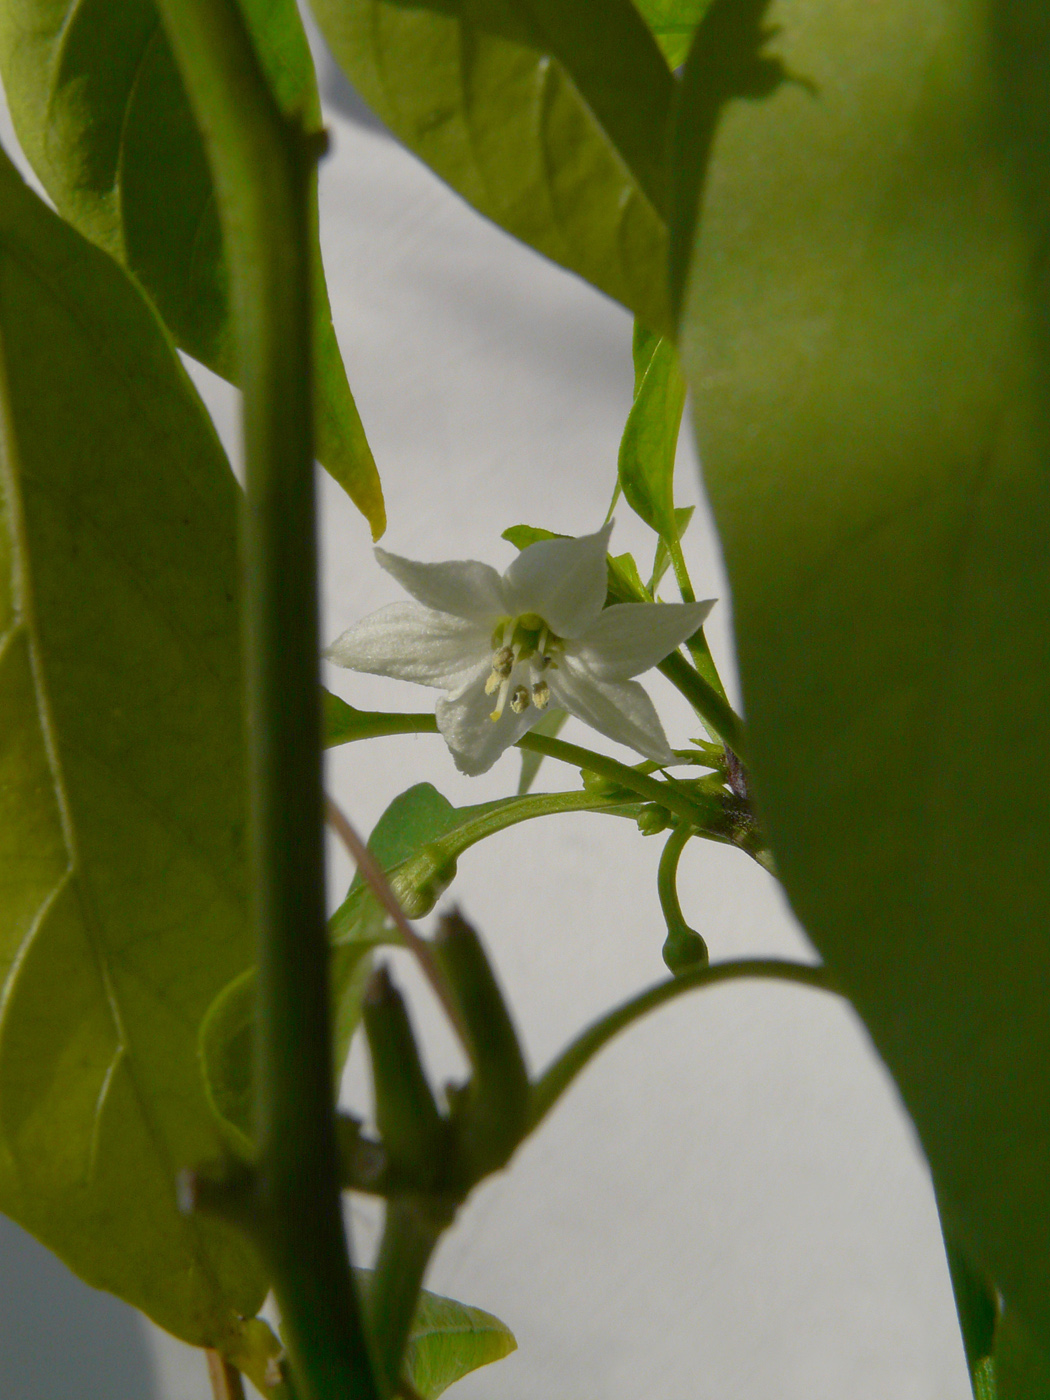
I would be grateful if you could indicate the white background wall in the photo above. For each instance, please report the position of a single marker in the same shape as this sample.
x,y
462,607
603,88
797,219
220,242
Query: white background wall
x,y
730,1204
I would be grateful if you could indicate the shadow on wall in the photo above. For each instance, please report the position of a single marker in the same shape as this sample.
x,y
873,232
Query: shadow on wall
x,y
60,1339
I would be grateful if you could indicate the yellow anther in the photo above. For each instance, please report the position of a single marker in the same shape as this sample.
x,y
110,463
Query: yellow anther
x,y
520,701
503,662
541,694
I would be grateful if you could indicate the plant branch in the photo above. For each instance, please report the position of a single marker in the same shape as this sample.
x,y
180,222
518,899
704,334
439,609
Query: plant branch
x,y
263,163
701,810
706,698
552,1083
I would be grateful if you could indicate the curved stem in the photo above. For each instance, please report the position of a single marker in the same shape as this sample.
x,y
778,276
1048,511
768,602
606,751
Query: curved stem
x,y
552,1083
263,162
667,875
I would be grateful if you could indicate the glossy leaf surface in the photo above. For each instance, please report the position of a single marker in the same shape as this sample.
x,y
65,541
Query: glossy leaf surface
x,y
549,116
100,111
122,881
866,342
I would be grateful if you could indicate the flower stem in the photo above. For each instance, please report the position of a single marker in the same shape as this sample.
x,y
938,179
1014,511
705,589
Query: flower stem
x,y
701,810
667,877
263,163
549,1087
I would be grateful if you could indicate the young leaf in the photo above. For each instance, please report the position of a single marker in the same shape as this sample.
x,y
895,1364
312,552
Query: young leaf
x,y
865,341
673,23
101,114
521,536
448,1340
549,116
123,902
650,441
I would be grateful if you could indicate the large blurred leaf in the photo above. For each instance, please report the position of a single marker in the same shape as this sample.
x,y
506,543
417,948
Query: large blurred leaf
x,y
102,117
867,342
549,116
448,1340
122,882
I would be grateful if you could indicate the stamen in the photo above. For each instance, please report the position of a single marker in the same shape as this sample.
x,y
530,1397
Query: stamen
x,y
503,662
493,683
519,701
504,687
541,695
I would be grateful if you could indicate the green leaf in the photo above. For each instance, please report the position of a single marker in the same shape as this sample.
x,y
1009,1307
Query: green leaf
x,y
100,112
673,23
643,347
625,582
123,901
865,342
549,116
521,536
448,1340
650,441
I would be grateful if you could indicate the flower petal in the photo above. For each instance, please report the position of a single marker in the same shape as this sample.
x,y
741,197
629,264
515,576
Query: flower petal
x,y
476,740
620,710
412,643
462,587
563,581
629,638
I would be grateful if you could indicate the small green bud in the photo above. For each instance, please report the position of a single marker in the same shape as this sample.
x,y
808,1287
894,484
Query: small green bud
x,y
421,881
653,819
684,951
598,786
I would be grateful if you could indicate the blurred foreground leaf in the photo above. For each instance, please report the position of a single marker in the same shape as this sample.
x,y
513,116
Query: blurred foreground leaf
x,y
122,880
866,341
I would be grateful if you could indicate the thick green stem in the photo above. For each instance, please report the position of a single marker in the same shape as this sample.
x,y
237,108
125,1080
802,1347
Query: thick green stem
x,y
550,1086
410,1234
263,164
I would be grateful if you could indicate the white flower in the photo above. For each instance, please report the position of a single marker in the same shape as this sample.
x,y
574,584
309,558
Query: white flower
x,y
505,648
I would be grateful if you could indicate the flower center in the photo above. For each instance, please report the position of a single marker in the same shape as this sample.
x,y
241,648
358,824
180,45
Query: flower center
x,y
522,649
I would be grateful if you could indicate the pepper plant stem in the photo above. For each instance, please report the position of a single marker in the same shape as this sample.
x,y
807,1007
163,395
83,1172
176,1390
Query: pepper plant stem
x,y
702,811
263,162
552,1083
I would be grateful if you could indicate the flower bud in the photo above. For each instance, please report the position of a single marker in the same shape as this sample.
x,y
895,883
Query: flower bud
x,y
599,786
653,819
684,951
423,879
